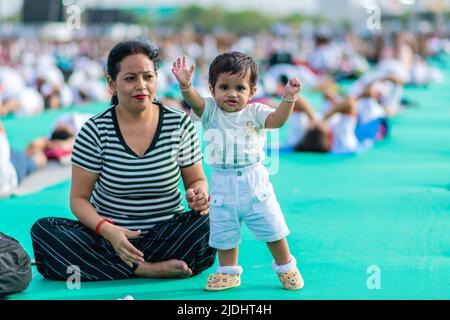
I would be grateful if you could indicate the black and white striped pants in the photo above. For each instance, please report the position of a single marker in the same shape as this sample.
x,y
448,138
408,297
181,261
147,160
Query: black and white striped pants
x,y
60,245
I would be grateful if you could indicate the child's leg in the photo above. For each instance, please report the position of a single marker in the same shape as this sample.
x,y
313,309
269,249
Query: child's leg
x,y
228,262
285,265
280,251
228,257
228,273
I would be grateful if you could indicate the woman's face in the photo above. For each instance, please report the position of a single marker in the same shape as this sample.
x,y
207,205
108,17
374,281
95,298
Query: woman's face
x,y
135,84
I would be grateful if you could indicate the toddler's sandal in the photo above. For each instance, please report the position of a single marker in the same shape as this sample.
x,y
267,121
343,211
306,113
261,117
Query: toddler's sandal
x,y
222,281
291,280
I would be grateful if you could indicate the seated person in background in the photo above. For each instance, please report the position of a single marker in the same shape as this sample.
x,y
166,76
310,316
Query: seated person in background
x,y
385,84
326,55
49,81
372,116
16,97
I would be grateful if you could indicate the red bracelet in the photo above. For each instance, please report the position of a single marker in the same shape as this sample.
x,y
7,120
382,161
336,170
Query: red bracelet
x,y
99,224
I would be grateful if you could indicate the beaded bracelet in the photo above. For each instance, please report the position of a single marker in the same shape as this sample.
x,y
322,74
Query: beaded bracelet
x,y
185,89
288,100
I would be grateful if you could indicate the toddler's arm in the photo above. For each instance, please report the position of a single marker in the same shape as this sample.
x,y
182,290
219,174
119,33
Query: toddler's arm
x,y
184,74
279,117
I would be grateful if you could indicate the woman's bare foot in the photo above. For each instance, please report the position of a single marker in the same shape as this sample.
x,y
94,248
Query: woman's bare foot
x,y
165,269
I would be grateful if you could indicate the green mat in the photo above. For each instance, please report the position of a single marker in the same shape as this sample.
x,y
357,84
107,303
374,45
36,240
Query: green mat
x,y
388,207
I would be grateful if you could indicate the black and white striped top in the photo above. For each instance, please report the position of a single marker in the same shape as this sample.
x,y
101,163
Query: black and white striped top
x,y
137,192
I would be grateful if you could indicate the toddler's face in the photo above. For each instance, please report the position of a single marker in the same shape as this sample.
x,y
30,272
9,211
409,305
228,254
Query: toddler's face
x,y
233,91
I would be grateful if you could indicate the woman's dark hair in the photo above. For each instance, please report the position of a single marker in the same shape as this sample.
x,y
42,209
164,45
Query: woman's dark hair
x,y
315,140
234,63
125,49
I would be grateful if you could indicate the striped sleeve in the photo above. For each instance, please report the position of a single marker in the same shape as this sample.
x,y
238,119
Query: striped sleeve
x,y
87,148
189,152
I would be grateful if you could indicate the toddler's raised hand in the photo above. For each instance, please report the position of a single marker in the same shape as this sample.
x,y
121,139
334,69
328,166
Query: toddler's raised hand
x,y
182,72
292,88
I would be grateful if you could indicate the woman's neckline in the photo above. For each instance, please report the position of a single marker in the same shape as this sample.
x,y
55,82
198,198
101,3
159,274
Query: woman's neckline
x,y
122,139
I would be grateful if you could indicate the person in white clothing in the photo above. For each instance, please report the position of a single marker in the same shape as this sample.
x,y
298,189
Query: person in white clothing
x,y
15,165
17,98
8,175
332,132
240,186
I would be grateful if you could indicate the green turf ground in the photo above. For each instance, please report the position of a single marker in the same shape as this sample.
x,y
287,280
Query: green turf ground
x,y
388,207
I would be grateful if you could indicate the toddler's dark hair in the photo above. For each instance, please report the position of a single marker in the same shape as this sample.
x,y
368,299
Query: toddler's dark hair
x,y
235,63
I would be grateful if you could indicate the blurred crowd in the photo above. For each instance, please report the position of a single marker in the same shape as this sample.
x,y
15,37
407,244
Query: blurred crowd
x,y
38,74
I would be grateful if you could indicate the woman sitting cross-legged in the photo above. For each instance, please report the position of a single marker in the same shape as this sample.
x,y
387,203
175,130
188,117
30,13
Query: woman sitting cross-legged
x,y
126,168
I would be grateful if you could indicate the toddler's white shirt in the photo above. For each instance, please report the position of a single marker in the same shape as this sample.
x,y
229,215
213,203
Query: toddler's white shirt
x,y
234,139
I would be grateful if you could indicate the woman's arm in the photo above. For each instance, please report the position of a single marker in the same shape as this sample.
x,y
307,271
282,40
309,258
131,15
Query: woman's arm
x,y
196,187
80,194
82,186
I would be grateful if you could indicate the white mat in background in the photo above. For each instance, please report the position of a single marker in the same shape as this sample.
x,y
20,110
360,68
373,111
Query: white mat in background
x,y
53,173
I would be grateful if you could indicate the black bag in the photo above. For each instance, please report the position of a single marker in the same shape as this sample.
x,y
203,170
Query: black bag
x,y
15,266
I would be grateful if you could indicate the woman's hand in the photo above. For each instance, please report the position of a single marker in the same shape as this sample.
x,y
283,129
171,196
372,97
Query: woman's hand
x,y
182,72
198,200
118,237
